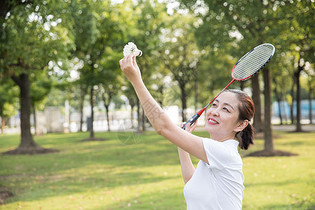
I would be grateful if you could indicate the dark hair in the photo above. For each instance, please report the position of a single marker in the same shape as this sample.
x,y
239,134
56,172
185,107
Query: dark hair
x,y
246,112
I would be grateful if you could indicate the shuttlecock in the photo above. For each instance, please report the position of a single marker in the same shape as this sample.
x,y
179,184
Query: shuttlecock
x,y
131,49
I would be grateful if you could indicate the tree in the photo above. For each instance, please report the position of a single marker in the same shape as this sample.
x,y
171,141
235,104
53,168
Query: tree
x,y
32,36
244,24
182,56
301,44
215,70
150,19
311,90
83,92
129,92
96,27
278,99
111,83
282,82
224,22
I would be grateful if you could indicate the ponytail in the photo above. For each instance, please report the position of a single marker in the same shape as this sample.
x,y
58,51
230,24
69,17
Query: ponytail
x,y
246,112
246,137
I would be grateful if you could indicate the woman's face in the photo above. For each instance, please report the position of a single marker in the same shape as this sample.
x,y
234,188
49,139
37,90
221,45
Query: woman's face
x,y
222,117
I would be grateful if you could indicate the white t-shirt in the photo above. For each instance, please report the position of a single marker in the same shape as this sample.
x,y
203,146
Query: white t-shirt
x,y
219,184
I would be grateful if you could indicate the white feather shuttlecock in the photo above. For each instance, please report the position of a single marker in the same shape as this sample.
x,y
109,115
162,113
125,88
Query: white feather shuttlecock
x,y
131,49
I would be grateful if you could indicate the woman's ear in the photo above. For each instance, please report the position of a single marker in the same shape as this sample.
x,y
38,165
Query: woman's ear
x,y
241,125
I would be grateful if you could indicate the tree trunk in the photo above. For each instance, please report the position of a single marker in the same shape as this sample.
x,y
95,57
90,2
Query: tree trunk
x,y
34,119
107,116
279,102
283,107
184,101
106,105
242,84
161,91
279,109
138,116
92,112
131,116
298,99
143,119
267,119
310,98
291,105
291,114
27,140
256,98
82,96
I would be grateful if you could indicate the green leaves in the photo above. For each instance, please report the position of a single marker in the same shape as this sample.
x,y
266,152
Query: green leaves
x,y
8,98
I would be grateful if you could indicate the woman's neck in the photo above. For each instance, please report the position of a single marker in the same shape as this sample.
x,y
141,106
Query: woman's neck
x,y
222,138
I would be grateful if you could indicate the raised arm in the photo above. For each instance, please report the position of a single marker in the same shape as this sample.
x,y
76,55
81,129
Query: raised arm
x,y
186,164
157,116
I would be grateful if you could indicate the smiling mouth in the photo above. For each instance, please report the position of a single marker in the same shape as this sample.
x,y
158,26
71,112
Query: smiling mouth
x,y
212,121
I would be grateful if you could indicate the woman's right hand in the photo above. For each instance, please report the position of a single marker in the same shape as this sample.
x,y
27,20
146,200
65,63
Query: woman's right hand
x,y
130,68
190,128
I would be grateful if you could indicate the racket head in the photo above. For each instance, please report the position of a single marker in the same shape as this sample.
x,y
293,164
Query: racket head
x,y
252,62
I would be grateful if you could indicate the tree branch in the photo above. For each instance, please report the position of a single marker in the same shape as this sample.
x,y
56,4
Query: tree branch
x,y
16,79
22,65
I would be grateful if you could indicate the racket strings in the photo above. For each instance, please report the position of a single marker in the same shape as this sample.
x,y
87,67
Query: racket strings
x,y
252,62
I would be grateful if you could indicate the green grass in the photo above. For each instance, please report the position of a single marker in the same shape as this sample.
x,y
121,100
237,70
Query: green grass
x,y
130,171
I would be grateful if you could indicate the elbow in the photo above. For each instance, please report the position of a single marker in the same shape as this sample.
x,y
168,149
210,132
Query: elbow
x,y
162,124
159,129
162,128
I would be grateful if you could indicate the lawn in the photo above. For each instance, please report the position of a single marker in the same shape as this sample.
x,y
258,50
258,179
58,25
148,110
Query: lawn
x,y
129,171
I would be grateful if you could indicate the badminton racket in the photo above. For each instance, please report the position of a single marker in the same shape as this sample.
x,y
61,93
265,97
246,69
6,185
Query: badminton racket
x,y
246,67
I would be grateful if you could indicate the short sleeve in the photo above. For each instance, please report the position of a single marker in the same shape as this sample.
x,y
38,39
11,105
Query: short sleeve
x,y
217,153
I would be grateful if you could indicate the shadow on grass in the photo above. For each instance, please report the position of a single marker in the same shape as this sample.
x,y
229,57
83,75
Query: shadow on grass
x,y
297,205
4,194
162,199
89,166
273,153
36,150
278,184
39,187
80,167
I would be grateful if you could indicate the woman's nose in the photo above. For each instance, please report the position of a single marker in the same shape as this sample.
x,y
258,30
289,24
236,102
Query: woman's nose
x,y
213,111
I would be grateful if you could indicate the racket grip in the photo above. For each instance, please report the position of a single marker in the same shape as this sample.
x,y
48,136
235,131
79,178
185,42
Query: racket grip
x,y
191,121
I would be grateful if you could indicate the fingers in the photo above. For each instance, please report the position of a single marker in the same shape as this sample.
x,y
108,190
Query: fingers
x,y
121,63
190,128
134,62
129,59
187,126
182,125
194,125
124,62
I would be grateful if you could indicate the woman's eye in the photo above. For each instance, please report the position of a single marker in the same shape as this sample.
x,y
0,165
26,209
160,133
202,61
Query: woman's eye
x,y
226,109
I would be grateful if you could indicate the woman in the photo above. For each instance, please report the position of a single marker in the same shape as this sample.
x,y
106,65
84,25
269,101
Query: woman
x,y
217,182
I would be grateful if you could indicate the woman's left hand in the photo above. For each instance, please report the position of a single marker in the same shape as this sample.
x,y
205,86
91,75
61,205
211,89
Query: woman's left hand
x,y
190,128
130,68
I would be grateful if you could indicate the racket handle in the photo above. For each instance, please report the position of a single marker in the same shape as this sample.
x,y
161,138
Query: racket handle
x,y
192,120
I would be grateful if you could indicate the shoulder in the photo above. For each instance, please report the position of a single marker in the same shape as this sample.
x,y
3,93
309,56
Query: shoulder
x,y
221,153
228,145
